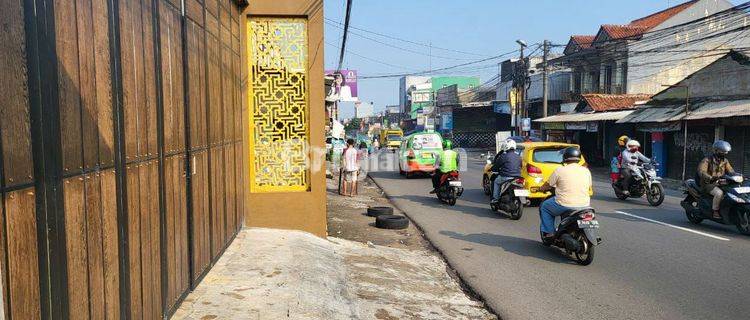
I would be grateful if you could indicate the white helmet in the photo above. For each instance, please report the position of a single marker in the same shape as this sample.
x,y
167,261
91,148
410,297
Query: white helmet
x,y
509,145
633,144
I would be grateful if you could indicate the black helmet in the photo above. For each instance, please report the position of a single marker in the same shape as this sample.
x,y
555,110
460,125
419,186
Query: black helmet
x,y
571,154
722,147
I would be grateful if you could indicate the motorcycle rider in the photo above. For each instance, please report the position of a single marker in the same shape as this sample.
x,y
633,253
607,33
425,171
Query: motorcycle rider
x,y
630,158
711,169
507,165
622,141
571,182
444,163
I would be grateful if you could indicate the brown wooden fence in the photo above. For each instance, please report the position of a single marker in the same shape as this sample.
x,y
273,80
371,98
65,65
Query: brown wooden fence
x,y
120,151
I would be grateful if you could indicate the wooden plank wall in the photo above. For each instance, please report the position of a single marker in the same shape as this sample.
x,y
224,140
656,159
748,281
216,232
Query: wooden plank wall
x,y
18,238
140,114
150,161
87,138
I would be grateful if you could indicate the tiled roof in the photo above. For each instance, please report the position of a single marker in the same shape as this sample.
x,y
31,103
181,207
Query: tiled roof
x,y
656,19
612,102
638,27
583,41
623,32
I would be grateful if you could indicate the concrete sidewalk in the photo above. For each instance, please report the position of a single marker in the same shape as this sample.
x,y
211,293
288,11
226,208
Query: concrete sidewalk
x,y
362,273
278,274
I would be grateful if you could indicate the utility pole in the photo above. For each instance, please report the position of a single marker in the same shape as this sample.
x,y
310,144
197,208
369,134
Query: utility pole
x,y
545,83
545,79
521,89
684,125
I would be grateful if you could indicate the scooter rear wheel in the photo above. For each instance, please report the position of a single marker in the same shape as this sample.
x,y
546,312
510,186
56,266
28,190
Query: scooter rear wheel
x,y
620,195
693,215
452,197
743,222
587,256
518,213
486,185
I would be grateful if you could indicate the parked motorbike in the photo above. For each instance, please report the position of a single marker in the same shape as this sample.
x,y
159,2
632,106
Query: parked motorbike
x,y
512,197
450,188
645,182
577,234
734,209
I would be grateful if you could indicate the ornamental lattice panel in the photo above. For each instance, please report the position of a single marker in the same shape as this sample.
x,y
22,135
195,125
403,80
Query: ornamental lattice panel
x,y
279,132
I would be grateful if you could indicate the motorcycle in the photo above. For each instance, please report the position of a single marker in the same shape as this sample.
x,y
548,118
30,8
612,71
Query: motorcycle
x,y
577,234
645,182
735,206
450,188
512,197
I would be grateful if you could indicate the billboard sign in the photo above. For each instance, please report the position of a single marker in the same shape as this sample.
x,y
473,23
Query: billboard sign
x,y
344,84
501,107
447,121
576,126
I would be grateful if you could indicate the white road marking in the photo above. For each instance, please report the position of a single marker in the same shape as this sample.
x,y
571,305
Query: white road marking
x,y
674,226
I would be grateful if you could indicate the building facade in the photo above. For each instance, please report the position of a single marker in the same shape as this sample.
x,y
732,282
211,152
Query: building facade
x,y
660,49
719,108
129,146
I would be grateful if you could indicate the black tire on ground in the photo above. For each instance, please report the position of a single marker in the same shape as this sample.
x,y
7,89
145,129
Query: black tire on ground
x,y
409,175
379,211
391,221
656,196
401,171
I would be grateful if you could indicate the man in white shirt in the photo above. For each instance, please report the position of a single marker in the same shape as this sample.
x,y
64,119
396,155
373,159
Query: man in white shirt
x,y
351,168
571,183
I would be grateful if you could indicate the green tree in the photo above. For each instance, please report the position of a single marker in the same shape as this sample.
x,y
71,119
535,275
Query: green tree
x,y
353,125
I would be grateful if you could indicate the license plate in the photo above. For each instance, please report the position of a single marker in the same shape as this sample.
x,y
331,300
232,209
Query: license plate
x,y
742,189
521,193
427,155
454,183
588,224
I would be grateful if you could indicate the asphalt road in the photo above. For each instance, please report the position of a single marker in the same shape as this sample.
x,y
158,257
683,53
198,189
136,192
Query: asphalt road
x,y
662,268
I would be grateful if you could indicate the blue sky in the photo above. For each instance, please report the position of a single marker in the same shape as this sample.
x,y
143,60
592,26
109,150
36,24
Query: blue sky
x,y
483,27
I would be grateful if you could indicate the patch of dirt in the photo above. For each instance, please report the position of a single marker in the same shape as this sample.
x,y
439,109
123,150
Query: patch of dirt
x,y
347,218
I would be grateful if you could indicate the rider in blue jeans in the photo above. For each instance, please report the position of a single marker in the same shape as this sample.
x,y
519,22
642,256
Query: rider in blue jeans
x,y
572,183
507,165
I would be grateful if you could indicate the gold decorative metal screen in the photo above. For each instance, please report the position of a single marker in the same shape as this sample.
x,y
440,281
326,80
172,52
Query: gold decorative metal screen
x,y
279,131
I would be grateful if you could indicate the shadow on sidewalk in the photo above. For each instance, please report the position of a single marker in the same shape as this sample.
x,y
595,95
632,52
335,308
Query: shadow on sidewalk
x,y
519,246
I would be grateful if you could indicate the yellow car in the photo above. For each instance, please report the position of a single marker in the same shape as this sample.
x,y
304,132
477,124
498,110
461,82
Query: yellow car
x,y
540,159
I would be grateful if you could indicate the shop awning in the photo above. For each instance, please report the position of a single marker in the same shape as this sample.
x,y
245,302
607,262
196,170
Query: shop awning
x,y
720,109
586,117
648,113
701,110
